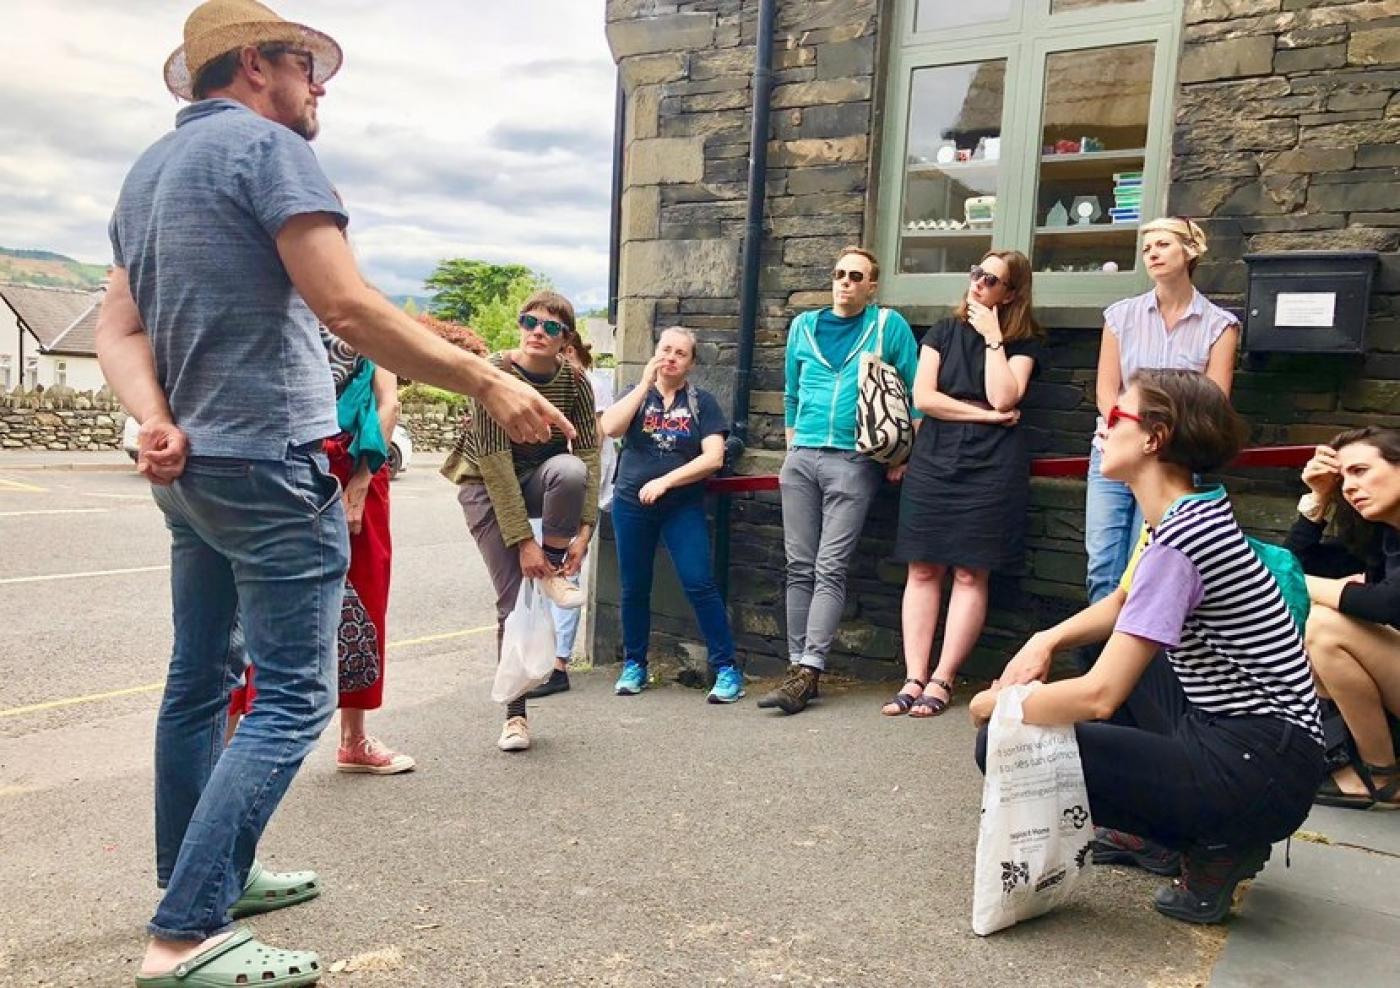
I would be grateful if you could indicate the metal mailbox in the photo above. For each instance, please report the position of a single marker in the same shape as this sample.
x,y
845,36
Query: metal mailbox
x,y
1308,301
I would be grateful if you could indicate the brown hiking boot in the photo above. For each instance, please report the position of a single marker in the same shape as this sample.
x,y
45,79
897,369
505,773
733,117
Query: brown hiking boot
x,y
795,692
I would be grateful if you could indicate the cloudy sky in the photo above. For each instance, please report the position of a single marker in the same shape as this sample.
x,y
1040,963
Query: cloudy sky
x,y
456,128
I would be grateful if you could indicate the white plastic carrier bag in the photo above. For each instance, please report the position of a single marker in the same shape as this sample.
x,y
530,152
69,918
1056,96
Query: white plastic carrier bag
x,y
1033,842
527,645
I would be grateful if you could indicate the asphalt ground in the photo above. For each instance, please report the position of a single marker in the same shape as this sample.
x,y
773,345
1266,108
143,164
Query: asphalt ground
x,y
652,840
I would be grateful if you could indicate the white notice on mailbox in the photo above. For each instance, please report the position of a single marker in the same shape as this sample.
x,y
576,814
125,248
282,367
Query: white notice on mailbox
x,y
1305,309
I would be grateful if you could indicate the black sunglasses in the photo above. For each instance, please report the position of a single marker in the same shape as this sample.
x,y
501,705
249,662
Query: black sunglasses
x,y
986,277
530,323
278,51
856,277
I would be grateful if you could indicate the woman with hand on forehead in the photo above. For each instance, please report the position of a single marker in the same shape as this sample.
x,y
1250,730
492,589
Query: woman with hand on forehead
x,y
503,484
673,438
1170,325
1354,583
965,497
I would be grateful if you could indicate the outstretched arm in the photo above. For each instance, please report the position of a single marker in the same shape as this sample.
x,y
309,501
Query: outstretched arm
x,y
322,268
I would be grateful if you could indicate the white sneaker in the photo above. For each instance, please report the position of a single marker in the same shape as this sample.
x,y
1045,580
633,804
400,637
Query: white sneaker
x,y
563,593
515,736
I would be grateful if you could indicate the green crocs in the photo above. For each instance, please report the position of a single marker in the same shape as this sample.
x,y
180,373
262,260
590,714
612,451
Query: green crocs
x,y
269,890
240,960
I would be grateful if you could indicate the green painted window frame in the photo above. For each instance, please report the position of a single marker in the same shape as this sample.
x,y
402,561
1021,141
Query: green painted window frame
x,y
1025,39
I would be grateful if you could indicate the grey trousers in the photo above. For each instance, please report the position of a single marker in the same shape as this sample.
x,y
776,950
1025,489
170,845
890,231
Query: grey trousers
x,y
826,494
553,493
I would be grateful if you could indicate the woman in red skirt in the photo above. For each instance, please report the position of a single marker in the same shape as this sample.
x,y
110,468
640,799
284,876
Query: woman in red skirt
x,y
367,407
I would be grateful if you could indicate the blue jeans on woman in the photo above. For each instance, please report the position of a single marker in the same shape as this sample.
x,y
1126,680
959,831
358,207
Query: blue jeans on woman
x,y
1112,522
262,544
638,528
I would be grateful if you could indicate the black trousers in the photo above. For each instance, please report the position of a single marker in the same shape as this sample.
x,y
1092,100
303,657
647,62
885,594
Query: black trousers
x,y
1166,770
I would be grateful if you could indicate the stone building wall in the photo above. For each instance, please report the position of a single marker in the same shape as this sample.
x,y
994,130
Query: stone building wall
x,y
1287,120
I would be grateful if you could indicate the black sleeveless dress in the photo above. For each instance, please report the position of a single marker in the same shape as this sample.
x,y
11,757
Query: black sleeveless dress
x,y
965,498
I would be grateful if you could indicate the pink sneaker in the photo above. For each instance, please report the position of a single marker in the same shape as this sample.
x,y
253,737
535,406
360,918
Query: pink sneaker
x,y
370,755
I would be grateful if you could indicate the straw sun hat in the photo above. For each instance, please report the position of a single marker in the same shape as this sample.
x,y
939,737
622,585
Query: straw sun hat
x,y
221,26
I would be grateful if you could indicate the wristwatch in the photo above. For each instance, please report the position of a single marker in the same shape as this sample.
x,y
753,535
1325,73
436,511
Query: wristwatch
x,y
994,346
1314,510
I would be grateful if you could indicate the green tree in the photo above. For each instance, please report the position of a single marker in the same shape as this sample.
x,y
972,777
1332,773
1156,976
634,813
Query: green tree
x,y
463,287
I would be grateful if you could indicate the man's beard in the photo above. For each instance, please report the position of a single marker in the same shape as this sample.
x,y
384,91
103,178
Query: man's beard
x,y
307,126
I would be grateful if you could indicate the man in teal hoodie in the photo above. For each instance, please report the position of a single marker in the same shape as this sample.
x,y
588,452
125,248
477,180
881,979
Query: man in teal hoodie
x,y
827,485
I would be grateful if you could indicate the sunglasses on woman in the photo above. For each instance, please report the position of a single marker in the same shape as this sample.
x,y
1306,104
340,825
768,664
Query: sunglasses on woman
x,y
986,277
855,277
1116,415
530,323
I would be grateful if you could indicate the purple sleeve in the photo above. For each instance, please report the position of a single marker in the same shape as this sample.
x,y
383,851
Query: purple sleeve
x,y
1166,589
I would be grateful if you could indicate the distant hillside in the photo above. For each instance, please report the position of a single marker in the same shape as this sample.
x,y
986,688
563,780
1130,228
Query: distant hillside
x,y
42,267
423,302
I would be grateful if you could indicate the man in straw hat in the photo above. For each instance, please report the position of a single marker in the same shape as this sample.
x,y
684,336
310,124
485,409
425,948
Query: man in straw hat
x,y
229,247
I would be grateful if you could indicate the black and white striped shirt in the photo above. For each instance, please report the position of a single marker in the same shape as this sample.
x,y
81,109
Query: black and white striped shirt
x,y
1239,651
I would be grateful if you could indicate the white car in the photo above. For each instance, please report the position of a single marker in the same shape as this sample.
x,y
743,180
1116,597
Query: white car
x,y
400,446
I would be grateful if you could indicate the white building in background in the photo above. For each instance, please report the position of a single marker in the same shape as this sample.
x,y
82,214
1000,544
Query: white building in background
x,y
48,337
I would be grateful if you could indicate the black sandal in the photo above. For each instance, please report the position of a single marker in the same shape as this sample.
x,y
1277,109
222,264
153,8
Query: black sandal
x,y
934,705
1331,794
903,700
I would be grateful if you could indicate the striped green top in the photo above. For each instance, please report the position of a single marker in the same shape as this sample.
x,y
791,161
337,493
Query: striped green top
x,y
484,454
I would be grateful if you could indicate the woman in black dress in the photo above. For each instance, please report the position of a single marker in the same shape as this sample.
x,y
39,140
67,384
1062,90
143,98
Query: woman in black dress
x,y
964,499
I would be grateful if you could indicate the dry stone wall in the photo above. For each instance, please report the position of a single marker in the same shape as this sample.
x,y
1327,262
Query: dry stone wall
x,y
60,419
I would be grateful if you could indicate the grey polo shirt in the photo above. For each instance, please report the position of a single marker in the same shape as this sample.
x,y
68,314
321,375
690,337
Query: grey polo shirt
x,y
238,353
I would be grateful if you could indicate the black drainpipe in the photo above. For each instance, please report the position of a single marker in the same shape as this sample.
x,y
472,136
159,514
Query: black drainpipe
x,y
748,284
615,220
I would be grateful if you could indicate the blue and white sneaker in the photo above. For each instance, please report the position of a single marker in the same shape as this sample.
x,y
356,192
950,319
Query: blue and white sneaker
x,y
729,685
633,679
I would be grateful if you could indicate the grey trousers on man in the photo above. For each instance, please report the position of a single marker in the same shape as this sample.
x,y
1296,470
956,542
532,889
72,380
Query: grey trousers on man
x,y
553,492
826,494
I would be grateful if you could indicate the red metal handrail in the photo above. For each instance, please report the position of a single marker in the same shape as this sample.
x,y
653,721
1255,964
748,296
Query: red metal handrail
x,y
1048,466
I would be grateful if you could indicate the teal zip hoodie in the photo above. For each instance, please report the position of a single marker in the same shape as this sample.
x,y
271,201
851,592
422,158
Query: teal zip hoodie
x,y
819,398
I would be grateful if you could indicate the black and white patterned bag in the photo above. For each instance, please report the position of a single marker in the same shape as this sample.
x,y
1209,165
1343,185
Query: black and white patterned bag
x,y
884,428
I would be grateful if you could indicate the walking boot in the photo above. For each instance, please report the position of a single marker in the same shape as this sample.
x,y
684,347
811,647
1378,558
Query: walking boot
x,y
795,692
1206,889
1116,847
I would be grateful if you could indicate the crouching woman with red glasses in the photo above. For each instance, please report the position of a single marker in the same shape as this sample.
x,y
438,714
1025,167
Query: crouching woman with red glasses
x,y
1202,758
503,484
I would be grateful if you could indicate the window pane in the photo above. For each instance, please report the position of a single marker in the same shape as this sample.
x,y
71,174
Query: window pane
x,y
937,14
1093,140
1065,6
951,166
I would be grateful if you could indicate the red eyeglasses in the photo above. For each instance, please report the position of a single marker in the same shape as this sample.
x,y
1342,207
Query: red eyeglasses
x,y
1116,415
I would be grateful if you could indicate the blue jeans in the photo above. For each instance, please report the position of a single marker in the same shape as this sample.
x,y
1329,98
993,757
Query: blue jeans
x,y
1112,522
264,541
686,532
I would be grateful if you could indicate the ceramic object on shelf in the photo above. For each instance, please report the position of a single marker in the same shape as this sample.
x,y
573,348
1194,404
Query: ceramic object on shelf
x,y
947,153
1110,266
992,150
1085,209
980,211
1087,144
1058,215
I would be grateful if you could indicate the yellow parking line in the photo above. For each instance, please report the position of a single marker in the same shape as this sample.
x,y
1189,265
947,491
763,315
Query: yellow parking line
x,y
15,485
71,701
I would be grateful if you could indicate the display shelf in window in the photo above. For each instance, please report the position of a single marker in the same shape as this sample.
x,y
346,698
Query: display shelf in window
x,y
1088,164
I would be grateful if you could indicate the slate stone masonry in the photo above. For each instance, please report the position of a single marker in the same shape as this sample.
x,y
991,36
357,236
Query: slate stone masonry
x,y
1285,137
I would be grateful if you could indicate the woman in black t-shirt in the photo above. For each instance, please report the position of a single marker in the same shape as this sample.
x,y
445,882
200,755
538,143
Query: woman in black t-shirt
x,y
674,439
1354,626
